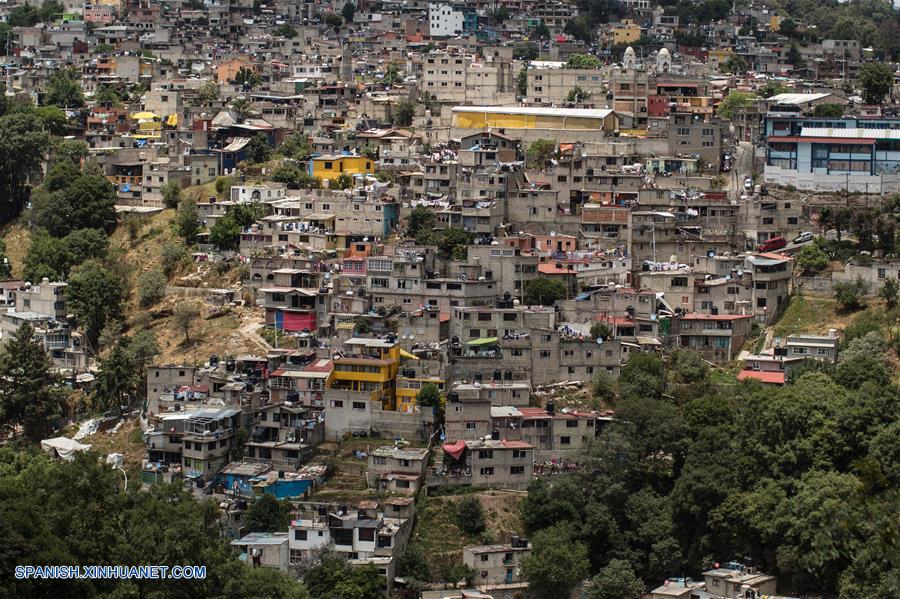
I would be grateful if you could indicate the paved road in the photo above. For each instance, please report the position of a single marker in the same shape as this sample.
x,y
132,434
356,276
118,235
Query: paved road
x,y
742,167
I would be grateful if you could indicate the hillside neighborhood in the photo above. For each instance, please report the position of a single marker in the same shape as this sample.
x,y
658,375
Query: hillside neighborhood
x,y
589,299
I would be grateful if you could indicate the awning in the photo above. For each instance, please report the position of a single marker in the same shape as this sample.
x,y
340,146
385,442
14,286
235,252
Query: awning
x,y
237,144
141,116
407,355
172,120
455,449
482,341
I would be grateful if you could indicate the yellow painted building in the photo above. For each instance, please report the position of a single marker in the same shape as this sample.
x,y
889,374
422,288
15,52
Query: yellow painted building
x,y
775,22
623,33
331,167
408,389
368,365
528,117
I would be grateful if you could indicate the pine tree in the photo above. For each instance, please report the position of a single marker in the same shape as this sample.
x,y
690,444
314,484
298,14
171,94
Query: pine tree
x,y
29,396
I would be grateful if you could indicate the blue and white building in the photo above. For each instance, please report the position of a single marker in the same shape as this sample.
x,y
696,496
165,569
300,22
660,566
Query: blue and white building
x,y
857,154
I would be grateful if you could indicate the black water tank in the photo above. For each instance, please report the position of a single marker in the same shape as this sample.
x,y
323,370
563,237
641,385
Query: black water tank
x,y
551,408
495,435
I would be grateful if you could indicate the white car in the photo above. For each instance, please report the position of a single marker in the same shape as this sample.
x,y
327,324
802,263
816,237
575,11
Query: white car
x,y
804,237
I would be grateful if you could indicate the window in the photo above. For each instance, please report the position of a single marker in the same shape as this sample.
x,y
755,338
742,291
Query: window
x,y
487,471
485,454
470,426
571,424
379,461
545,353
822,351
337,403
367,534
565,440
484,557
299,535
517,469
359,405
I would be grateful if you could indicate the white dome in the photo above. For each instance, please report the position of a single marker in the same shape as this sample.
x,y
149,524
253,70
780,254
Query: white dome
x,y
664,52
629,51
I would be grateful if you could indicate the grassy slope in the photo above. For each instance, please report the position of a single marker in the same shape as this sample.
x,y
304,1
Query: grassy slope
x,y
442,541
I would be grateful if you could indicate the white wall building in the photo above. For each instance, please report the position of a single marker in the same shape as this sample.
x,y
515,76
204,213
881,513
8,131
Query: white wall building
x,y
444,20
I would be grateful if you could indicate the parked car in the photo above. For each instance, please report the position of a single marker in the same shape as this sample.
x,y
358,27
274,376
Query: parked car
x,y
804,237
772,244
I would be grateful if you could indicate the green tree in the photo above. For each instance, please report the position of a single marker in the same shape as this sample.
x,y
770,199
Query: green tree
x,y
73,150
583,61
296,146
413,565
734,103
600,330
522,82
889,292
544,291
580,28
151,287
187,221
539,152
392,74
342,181
811,259
333,578
453,244
688,367
736,65
404,111
470,516
286,31
557,563
541,31
421,224
295,178
334,21
226,234
876,79
122,369
87,495
603,388
95,296
54,257
258,149
429,396
267,514
171,193
787,27
577,94
106,95
794,58
23,146
642,376
29,395
64,90
829,110
849,294
184,316
207,93
615,581
348,11
172,255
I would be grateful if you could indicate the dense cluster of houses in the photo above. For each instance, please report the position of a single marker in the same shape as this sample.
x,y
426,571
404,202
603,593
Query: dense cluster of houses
x,y
606,171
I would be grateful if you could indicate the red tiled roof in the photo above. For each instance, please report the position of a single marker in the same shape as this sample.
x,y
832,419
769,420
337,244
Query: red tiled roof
x,y
766,376
551,269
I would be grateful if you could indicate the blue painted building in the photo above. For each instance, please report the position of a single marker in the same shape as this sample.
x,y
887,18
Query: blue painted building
x,y
857,154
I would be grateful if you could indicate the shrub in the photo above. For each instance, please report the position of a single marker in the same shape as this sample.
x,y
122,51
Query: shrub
x,y
151,287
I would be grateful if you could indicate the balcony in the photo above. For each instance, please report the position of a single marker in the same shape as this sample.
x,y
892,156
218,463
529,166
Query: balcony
x,y
438,476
